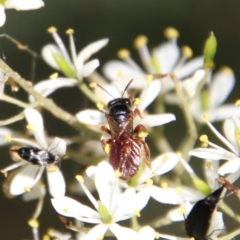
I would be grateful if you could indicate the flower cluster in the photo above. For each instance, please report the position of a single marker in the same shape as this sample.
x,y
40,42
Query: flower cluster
x,y
122,146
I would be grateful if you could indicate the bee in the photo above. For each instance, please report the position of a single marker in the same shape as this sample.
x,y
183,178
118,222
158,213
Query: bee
x,y
229,186
37,156
199,219
126,147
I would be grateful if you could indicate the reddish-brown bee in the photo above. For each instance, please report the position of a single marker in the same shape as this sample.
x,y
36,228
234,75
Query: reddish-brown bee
x,y
229,186
126,147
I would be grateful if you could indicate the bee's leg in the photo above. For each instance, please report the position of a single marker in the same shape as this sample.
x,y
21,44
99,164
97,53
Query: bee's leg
x,y
105,129
106,145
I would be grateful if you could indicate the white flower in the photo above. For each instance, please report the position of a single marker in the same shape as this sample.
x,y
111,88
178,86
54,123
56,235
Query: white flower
x,y
164,59
112,207
231,129
18,5
28,175
210,100
94,119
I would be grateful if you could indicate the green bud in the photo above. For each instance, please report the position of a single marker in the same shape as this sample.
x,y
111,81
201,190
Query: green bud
x,y
104,214
2,2
201,185
133,182
204,100
64,66
209,51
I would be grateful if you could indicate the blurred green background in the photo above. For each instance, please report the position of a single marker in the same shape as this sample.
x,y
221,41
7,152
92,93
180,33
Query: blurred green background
x,y
121,21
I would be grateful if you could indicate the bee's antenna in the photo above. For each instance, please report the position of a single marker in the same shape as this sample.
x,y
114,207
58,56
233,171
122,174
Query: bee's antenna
x,y
93,85
127,87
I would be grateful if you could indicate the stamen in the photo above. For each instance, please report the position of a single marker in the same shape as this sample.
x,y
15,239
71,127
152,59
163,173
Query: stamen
x,y
46,237
179,190
118,173
208,164
70,31
79,178
52,30
30,127
136,102
53,76
107,148
164,185
181,210
136,213
178,153
140,41
187,51
100,106
149,78
8,138
157,235
227,70
237,103
171,33
204,139
27,189
206,118
93,85
149,182
33,223
52,168
123,53
4,173
142,134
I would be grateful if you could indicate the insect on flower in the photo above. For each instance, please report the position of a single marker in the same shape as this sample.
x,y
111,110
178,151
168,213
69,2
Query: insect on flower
x,y
229,186
126,147
36,156
198,221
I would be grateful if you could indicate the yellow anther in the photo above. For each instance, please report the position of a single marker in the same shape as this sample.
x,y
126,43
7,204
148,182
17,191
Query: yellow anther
x,y
50,232
181,210
66,210
164,185
142,134
46,237
206,118
118,173
107,148
123,53
52,168
136,102
140,41
93,85
27,189
30,127
4,173
187,51
53,76
149,78
51,30
237,103
179,190
136,213
203,138
192,238
157,235
208,164
100,106
165,158
70,31
171,33
178,153
119,73
33,223
8,138
149,182
227,70
79,178
100,236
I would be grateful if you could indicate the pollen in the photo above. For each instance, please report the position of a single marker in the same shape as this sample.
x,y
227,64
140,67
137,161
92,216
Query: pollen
x,y
46,237
171,33
136,101
70,31
8,138
93,85
149,78
107,148
149,182
52,168
204,138
66,210
187,51
181,210
119,73
227,70
206,118
79,178
100,106
179,190
33,223
165,158
4,173
142,134
157,235
27,189
164,185
136,213
178,153
118,173
52,30
123,53
140,41
53,76
208,164
237,103
30,127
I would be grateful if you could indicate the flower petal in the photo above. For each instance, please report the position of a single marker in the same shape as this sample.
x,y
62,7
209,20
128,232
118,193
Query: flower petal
x,y
231,166
96,232
88,68
24,5
71,208
216,225
90,49
37,192
58,146
2,15
35,119
158,119
91,117
123,233
146,233
3,133
56,183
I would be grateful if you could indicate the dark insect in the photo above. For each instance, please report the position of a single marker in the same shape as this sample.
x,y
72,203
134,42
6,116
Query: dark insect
x,y
199,219
229,186
36,156
126,147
